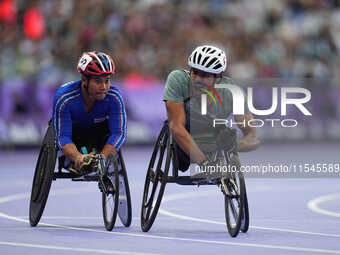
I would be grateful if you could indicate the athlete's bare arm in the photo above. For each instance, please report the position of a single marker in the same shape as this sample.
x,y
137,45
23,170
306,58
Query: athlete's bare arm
x,y
176,118
250,140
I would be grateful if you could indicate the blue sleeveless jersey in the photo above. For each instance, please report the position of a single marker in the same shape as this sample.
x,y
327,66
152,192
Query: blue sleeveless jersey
x,y
68,110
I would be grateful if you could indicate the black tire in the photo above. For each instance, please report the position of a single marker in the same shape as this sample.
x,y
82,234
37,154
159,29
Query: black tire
x,y
158,179
111,195
245,216
234,202
43,177
124,206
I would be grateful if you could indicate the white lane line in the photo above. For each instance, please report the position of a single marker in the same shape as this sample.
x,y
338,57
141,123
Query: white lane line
x,y
314,204
20,196
183,217
63,248
198,194
72,217
291,248
172,197
65,217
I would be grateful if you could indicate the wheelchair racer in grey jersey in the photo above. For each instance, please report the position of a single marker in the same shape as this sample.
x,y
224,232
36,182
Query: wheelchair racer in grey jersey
x,y
207,64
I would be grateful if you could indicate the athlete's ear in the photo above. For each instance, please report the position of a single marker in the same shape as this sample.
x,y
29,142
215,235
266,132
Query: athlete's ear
x,y
83,79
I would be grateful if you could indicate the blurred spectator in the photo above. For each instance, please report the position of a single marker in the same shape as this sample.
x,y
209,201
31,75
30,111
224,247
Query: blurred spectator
x,y
8,11
34,24
40,40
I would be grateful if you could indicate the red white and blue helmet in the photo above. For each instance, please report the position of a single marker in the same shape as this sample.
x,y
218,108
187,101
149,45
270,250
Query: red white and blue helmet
x,y
95,63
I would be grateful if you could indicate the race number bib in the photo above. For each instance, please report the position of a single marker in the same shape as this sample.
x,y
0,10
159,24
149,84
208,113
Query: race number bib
x,y
84,61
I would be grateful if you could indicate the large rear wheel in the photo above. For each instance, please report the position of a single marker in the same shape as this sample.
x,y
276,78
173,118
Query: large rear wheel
x,y
245,216
110,193
124,207
156,178
43,177
234,190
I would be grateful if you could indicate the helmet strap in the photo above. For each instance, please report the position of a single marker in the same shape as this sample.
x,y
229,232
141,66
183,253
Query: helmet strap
x,y
86,86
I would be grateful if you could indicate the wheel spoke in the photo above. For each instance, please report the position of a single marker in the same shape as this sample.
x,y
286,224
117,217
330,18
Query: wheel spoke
x,y
149,209
161,155
151,175
153,191
233,209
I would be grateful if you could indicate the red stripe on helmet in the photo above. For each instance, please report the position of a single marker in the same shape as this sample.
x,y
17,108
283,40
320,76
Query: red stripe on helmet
x,y
96,68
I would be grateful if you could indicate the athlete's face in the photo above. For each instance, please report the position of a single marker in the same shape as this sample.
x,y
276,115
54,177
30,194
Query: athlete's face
x,y
200,79
98,86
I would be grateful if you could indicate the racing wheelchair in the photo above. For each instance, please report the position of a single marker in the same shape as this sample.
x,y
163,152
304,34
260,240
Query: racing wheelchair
x,y
232,185
111,177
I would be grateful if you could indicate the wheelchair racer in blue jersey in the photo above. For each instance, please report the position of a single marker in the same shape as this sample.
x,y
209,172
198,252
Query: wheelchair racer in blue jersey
x,y
89,113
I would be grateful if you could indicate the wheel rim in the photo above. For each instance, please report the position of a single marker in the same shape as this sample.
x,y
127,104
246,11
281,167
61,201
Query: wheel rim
x,y
245,215
233,189
109,194
43,176
40,174
152,191
234,201
149,198
123,209
124,206
152,177
155,176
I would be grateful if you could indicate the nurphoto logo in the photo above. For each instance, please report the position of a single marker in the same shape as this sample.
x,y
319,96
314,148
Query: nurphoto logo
x,y
239,102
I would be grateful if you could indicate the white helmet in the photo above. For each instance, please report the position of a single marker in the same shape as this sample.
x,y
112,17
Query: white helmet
x,y
209,59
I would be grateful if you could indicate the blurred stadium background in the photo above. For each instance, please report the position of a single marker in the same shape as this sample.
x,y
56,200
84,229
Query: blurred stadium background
x,y
269,43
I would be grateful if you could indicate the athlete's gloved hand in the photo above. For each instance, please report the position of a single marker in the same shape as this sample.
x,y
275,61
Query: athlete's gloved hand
x,y
85,163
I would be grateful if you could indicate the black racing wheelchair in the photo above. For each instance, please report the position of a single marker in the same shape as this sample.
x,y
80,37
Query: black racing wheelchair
x,y
232,186
111,177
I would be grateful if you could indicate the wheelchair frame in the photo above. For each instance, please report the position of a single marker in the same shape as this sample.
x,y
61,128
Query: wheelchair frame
x,y
45,173
232,187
